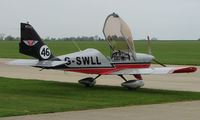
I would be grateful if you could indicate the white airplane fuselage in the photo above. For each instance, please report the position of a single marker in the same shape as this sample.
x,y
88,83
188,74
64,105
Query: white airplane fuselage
x,y
94,62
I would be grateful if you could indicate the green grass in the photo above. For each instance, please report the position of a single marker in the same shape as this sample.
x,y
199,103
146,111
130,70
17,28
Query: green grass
x,y
174,52
22,97
168,52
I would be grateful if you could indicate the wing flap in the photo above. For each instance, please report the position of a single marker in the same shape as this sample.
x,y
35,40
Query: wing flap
x,y
147,71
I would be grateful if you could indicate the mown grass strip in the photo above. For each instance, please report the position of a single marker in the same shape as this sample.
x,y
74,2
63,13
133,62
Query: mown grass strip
x,y
22,97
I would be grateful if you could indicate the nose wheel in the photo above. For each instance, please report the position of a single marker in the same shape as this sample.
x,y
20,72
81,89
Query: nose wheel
x,y
131,84
89,81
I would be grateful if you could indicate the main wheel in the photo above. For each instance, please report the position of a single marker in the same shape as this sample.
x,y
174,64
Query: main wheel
x,y
88,82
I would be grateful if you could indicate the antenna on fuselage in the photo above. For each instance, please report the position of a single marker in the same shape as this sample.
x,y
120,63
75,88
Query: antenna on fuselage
x,y
76,45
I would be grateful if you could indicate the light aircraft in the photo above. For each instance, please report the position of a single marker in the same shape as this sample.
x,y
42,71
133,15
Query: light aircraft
x,y
123,60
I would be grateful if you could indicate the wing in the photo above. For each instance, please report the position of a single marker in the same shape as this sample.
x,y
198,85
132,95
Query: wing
x,y
36,63
147,71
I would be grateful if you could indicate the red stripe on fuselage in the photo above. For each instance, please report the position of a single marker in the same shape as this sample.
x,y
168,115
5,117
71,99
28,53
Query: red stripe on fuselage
x,y
105,71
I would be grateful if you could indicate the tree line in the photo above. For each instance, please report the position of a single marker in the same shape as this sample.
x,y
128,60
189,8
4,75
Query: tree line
x,y
82,38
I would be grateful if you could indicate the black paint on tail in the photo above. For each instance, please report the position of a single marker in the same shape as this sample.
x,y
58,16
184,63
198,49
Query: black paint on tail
x,y
31,44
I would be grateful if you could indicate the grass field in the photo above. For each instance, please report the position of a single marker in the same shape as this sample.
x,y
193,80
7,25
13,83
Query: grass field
x,y
168,52
21,97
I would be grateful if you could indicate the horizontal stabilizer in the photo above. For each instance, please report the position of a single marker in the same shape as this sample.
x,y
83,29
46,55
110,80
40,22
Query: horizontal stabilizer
x,y
147,71
24,62
36,63
50,64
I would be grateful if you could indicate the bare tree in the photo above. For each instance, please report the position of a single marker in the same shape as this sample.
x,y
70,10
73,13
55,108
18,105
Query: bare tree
x,y
2,35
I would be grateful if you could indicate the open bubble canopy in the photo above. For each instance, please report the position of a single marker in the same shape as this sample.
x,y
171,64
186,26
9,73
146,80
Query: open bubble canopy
x,y
118,34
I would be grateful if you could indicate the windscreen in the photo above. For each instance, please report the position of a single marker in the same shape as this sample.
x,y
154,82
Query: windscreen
x,y
118,34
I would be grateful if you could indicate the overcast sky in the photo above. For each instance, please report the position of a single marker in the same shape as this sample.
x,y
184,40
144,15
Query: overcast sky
x,y
164,19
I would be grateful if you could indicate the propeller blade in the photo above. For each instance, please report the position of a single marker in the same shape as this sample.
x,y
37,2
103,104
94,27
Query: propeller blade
x,y
159,63
149,45
149,49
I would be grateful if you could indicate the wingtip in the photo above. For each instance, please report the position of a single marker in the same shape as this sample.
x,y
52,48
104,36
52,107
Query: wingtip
x,y
184,70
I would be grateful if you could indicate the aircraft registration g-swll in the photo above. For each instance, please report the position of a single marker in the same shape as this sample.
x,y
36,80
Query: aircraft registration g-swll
x,y
123,60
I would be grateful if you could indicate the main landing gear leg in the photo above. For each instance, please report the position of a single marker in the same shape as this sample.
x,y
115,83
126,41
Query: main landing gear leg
x,y
132,84
123,78
89,81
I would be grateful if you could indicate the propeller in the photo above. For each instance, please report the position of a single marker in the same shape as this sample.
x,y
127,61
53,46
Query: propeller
x,y
149,50
149,45
159,63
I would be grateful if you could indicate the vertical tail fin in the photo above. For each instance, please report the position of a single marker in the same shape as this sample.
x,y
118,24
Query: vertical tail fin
x,y
31,44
